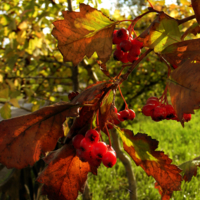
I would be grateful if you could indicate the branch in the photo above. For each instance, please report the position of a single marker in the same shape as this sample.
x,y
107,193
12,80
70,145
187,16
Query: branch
x,y
125,76
181,21
127,164
38,77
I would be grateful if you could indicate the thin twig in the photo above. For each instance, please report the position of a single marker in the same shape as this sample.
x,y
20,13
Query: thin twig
x,y
181,21
125,76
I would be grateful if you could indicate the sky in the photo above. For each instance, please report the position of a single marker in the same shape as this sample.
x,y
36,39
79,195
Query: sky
x,y
109,4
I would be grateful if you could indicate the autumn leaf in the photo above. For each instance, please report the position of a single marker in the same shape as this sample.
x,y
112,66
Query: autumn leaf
x,y
92,96
83,33
180,52
184,88
5,111
189,168
65,174
161,33
196,8
142,149
194,29
23,139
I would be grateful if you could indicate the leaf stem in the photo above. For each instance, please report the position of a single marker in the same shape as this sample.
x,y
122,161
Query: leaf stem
x,y
126,105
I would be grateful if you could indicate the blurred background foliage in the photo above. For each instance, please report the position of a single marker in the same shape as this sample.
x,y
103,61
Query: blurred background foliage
x,y
32,69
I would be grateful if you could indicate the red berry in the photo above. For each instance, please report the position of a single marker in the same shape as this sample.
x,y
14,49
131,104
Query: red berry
x,y
77,140
95,162
99,149
153,98
109,159
122,33
125,45
92,136
125,58
118,47
120,117
85,144
135,50
137,42
124,114
159,113
116,40
131,114
115,109
118,54
131,58
147,110
170,112
110,148
153,102
187,117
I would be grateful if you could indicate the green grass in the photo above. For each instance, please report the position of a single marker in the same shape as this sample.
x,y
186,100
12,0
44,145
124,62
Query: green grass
x,y
180,144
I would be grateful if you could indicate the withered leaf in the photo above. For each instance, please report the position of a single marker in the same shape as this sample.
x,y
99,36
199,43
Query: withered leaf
x,y
190,168
23,139
142,149
184,88
178,53
196,8
83,33
65,174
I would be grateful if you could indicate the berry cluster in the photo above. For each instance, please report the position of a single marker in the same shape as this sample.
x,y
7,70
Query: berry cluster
x,y
159,111
128,49
122,115
90,149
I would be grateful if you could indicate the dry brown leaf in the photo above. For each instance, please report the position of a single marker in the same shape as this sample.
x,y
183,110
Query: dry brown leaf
x,y
184,88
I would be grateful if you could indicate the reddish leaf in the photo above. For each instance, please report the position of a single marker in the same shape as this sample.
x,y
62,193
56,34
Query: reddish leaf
x,y
184,88
92,95
190,168
141,148
180,52
23,139
196,8
65,174
82,33
166,195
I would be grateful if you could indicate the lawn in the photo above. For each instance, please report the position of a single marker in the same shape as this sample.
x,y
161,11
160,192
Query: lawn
x,y
180,144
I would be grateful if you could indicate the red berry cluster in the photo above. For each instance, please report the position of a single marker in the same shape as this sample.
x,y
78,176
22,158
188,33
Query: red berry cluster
x,y
128,49
159,111
90,149
122,115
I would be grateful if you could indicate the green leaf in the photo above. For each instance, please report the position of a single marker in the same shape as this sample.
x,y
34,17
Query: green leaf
x,y
5,111
4,93
162,32
14,102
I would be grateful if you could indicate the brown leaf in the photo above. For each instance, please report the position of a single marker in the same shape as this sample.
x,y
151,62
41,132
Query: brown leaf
x,y
93,94
178,53
190,168
196,8
141,148
82,33
184,88
23,139
65,174
194,29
